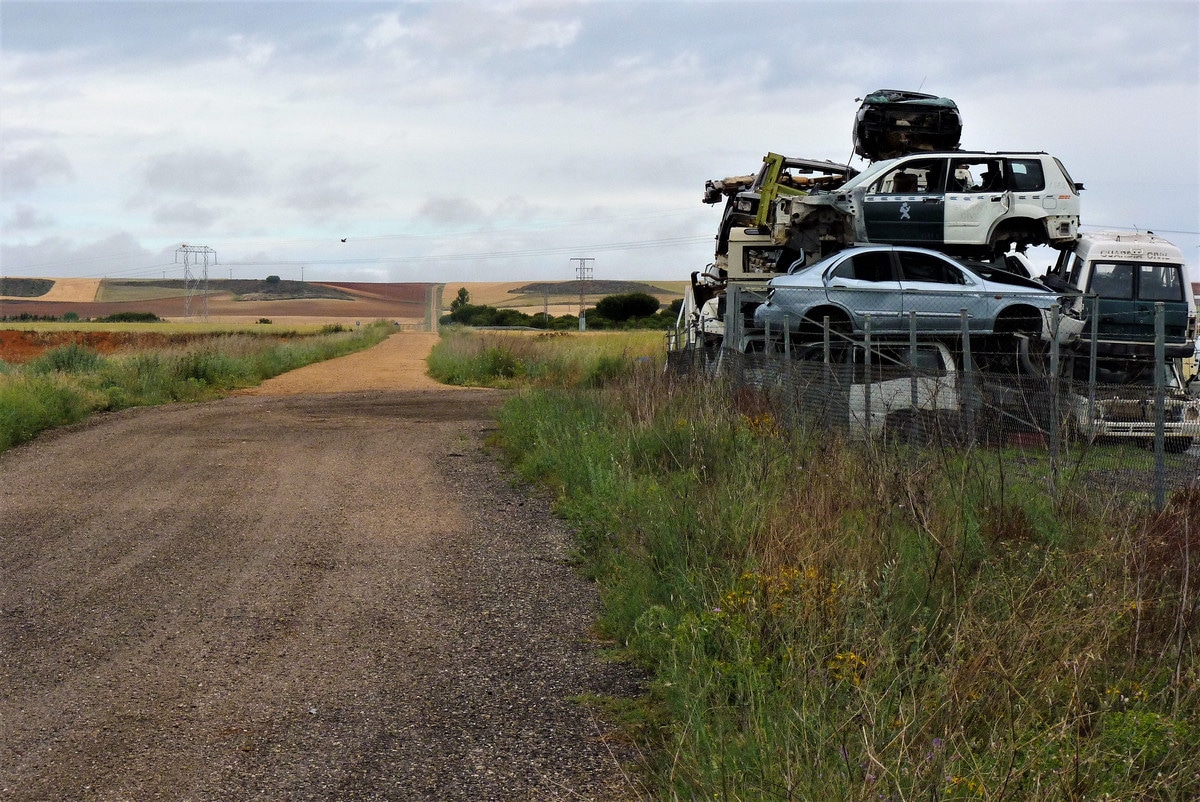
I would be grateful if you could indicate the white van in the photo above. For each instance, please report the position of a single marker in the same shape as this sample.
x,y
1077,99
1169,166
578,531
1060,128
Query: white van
x,y
1128,273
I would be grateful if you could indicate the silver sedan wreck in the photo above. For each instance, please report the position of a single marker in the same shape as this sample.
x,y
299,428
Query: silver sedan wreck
x,y
884,284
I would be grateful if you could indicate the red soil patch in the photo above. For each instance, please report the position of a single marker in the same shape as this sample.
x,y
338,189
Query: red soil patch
x,y
17,347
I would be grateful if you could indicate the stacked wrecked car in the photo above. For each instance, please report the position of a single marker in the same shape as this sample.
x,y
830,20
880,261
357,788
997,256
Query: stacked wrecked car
x,y
927,243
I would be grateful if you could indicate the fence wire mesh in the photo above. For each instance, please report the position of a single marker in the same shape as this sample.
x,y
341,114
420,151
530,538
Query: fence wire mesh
x,y
1029,386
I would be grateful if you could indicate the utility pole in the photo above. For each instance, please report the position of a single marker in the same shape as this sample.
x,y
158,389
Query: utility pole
x,y
583,273
200,254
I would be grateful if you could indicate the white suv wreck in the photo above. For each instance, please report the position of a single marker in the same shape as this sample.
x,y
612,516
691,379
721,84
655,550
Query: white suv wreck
x,y
964,202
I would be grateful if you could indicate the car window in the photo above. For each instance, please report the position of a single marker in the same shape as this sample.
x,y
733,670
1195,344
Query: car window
x,y
1111,280
929,268
870,266
912,177
976,175
1027,175
1160,283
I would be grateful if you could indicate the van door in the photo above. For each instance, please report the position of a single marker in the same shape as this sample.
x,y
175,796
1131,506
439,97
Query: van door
x,y
1127,293
906,205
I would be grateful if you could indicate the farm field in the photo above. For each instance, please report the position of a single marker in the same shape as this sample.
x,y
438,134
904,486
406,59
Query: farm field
x,y
296,303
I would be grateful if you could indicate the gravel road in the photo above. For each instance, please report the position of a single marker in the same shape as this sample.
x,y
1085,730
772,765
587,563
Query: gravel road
x,y
295,595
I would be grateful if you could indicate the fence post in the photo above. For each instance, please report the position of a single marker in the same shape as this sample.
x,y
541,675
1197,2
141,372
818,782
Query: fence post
x,y
1095,324
866,374
912,360
966,389
1055,419
1160,368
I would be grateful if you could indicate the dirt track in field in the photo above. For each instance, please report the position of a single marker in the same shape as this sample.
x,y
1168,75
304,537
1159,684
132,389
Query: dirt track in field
x,y
323,590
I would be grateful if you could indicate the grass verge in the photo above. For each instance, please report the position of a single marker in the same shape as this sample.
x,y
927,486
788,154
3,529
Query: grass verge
x,y
826,620
66,384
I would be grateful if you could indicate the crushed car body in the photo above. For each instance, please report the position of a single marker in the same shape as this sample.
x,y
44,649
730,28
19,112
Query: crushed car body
x,y
893,123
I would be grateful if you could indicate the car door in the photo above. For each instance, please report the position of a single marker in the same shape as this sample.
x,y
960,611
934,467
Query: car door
x,y
906,205
937,290
976,197
866,284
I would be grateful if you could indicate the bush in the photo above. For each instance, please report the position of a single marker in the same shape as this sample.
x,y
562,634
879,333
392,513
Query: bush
x,y
131,317
70,358
619,308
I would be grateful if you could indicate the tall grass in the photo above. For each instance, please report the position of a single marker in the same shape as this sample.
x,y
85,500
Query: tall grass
x,y
543,359
66,384
828,621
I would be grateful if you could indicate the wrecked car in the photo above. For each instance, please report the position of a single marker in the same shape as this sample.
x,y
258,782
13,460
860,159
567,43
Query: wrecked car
x,y
744,243
967,203
886,283
1122,408
1123,276
892,123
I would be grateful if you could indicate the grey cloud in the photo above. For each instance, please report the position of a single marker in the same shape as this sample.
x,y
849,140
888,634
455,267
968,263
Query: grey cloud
x,y
324,187
186,213
28,169
118,253
202,171
451,210
27,218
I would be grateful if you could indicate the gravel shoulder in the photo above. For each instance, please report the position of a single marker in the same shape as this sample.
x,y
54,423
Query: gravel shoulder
x,y
295,594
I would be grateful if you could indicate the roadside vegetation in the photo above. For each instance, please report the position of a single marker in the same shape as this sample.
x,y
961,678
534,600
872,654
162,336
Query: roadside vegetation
x,y
833,621
540,359
67,383
626,311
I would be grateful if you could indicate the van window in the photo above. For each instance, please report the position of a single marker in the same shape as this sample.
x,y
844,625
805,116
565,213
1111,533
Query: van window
x,y
1076,268
1027,175
1111,280
1160,283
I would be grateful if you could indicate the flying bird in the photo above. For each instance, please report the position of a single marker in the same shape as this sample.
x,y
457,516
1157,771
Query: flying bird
x,y
343,239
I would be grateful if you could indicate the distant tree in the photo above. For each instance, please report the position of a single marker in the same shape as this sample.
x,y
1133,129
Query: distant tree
x,y
272,279
462,299
619,308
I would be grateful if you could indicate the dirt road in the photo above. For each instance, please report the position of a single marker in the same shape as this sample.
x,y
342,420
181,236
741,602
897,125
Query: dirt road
x,y
294,596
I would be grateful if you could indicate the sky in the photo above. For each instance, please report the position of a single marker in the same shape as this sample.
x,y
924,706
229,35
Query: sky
x,y
504,141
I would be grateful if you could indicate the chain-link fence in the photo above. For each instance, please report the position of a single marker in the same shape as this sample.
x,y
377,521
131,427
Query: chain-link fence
x,y
1102,405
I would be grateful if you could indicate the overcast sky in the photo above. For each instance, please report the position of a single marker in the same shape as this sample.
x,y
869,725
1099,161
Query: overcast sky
x,y
498,141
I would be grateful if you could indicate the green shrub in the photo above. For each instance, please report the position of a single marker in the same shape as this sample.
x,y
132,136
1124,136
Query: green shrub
x,y
69,358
